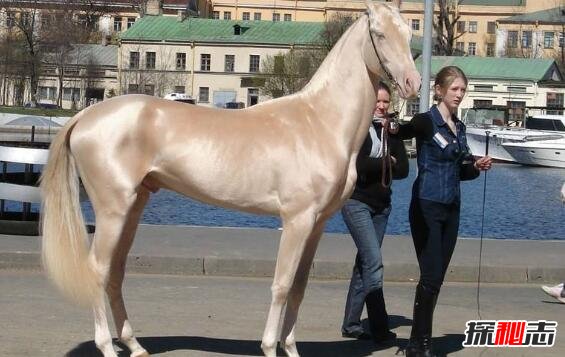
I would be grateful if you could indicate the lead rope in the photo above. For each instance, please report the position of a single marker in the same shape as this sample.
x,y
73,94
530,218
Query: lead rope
x,y
386,173
482,231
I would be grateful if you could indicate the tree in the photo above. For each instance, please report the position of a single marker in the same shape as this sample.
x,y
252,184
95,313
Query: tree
x,y
286,73
445,27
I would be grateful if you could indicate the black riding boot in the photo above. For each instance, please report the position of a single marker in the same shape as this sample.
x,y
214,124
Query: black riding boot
x,y
420,344
378,318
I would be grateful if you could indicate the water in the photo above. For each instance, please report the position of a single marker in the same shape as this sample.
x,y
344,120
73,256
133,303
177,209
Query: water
x,y
521,203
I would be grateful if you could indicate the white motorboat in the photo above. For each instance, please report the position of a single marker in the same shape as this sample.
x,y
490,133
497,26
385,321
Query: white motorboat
x,y
538,128
546,152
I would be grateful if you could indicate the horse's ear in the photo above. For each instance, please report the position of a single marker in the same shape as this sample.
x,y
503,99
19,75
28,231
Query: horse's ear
x,y
370,7
396,3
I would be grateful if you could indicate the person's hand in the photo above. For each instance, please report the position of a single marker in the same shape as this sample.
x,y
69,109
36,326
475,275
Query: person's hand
x,y
484,163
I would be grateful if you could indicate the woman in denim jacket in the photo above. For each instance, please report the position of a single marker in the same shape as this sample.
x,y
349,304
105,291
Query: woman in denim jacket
x,y
366,215
443,161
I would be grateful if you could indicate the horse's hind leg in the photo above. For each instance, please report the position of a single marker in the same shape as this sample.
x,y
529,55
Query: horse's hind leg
x,y
296,230
296,293
111,214
116,277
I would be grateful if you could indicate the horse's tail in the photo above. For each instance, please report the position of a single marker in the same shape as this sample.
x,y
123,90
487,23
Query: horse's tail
x,y
65,240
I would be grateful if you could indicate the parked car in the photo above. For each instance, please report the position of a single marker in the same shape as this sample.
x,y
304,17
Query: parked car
x,y
42,106
180,97
234,105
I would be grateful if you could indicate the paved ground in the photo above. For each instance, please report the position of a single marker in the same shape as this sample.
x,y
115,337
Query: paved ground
x,y
218,316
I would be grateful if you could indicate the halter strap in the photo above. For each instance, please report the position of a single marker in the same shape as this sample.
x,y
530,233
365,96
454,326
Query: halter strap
x,y
390,77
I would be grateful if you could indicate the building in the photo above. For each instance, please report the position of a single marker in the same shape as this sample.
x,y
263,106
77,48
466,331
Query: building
x,y
213,61
515,83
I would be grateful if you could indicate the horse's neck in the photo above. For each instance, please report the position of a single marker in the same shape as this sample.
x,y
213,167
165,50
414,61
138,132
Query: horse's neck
x,y
343,87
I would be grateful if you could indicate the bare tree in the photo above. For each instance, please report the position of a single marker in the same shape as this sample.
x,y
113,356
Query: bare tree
x,y
445,27
289,72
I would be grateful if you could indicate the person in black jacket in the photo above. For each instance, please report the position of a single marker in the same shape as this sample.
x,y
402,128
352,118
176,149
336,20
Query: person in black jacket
x,y
366,214
444,160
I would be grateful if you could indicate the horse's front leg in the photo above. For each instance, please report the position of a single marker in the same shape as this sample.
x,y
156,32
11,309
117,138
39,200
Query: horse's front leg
x,y
296,230
288,341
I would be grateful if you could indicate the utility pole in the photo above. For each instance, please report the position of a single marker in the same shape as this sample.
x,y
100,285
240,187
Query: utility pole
x,y
427,56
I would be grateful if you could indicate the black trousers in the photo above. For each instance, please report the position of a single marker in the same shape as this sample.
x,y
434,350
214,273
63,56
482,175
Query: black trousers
x,y
434,229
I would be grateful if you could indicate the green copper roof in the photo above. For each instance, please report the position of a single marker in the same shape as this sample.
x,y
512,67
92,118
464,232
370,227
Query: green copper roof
x,y
497,68
168,28
549,16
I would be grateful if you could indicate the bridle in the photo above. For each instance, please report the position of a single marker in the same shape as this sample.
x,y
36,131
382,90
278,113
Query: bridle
x,y
381,62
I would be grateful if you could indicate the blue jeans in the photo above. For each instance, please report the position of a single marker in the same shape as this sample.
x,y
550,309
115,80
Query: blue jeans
x,y
367,228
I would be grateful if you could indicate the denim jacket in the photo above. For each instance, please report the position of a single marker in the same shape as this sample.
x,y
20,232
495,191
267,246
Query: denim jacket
x,y
444,159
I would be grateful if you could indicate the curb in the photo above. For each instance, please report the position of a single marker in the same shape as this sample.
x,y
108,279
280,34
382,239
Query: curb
x,y
321,270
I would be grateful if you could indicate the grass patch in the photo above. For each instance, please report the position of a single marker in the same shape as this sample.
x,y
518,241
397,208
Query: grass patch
x,y
39,111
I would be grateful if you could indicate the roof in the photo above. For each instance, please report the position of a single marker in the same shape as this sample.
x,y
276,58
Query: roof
x,y
169,28
499,68
555,16
486,2
93,54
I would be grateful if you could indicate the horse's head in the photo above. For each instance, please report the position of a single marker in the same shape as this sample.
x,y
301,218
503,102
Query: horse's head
x,y
388,48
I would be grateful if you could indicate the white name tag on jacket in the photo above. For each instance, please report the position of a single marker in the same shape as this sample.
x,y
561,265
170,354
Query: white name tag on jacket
x,y
440,140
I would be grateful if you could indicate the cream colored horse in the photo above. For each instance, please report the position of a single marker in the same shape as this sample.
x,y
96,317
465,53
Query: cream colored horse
x,y
293,157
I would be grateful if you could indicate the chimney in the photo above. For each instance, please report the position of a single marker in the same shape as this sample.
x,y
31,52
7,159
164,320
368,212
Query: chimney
x,y
181,16
154,7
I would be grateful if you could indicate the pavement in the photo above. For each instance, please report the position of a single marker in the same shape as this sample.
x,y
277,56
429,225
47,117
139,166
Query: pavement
x,y
203,316
250,252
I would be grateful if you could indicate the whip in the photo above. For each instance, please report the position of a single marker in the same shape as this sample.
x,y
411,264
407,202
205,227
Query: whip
x,y
482,230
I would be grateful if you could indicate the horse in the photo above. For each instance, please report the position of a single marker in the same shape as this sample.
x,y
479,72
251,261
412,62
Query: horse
x,y
293,157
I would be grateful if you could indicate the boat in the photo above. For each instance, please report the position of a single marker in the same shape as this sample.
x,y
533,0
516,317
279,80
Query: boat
x,y
549,151
535,128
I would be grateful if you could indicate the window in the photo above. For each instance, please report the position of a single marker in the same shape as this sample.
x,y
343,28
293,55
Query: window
x,y
181,61
245,16
131,21
26,19
133,89
72,94
482,103
548,37
555,101
491,27
460,26
252,96
544,124
134,59
149,89
205,60
490,49
515,110
473,26
203,94
472,49
526,39
562,39
150,60
47,93
460,48
288,17
215,15
512,39
46,20
229,63
415,25
413,106
179,89
276,17
254,63
117,24
257,16
10,19
484,88
227,15
514,89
